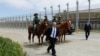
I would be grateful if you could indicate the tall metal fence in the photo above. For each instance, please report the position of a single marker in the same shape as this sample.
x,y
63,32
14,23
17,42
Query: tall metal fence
x,y
24,21
95,23
21,21
16,22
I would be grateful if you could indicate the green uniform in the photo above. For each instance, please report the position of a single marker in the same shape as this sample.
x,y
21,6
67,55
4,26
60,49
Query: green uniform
x,y
35,24
54,20
59,21
46,20
36,21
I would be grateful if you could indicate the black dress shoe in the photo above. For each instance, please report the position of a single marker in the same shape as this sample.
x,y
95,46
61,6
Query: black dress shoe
x,y
48,51
54,55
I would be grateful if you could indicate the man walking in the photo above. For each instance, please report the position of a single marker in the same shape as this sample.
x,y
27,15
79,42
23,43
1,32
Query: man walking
x,y
87,29
52,32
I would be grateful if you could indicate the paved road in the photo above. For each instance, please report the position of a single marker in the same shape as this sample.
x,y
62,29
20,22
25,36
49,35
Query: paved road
x,y
75,44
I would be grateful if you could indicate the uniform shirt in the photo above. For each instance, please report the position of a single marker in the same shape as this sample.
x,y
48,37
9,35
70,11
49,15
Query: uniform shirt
x,y
53,33
36,21
59,21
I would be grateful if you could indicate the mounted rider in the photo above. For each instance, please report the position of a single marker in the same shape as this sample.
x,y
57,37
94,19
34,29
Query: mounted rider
x,y
36,21
59,20
46,19
54,19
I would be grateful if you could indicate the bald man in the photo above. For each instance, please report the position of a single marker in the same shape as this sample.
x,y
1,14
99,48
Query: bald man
x,y
51,33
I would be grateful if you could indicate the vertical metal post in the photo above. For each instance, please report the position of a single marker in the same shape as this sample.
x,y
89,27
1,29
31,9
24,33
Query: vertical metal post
x,y
29,21
40,15
51,11
26,21
45,11
89,12
22,21
16,22
10,22
59,9
77,16
67,11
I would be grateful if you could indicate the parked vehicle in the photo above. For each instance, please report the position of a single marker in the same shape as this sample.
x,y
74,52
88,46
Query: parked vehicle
x,y
71,30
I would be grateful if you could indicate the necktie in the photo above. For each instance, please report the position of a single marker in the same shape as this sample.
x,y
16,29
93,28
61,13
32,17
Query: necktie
x,y
54,33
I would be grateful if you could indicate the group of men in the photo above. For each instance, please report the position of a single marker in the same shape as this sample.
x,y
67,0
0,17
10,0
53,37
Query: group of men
x,y
52,32
36,20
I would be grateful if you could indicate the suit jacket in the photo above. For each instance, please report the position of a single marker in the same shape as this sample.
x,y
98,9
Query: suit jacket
x,y
87,27
49,31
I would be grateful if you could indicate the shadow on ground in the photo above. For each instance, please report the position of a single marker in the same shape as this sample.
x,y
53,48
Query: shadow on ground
x,y
36,45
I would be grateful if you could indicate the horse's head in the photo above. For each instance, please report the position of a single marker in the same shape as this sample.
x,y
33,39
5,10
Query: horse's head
x,y
44,24
68,24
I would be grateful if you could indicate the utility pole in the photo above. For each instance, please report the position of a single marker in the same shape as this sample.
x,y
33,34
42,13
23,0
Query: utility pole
x,y
45,11
67,11
89,11
51,11
59,9
77,16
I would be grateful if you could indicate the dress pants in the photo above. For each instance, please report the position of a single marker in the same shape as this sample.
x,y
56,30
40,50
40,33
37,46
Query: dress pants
x,y
52,45
87,33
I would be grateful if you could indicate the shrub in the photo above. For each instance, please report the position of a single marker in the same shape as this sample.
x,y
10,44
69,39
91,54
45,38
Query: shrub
x,y
10,48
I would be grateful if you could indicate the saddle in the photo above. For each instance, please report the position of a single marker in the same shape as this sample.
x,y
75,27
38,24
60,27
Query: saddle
x,y
35,28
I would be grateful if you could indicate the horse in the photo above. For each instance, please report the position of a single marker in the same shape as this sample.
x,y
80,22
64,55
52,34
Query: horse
x,y
39,30
63,27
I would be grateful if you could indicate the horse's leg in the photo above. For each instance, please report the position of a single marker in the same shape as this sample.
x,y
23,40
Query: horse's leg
x,y
58,39
38,39
42,39
64,38
46,39
29,37
33,37
61,38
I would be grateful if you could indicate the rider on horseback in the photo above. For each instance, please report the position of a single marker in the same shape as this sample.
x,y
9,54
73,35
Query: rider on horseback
x,y
59,20
46,19
54,19
35,21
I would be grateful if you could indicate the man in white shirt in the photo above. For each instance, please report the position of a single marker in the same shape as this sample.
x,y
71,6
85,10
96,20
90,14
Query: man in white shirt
x,y
51,33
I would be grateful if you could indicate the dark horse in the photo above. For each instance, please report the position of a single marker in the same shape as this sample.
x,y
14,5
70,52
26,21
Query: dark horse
x,y
39,30
63,27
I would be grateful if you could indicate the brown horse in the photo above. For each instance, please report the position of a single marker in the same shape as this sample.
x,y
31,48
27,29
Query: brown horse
x,y
39,30
63,27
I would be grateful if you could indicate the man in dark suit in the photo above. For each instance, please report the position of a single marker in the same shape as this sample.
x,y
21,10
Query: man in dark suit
x,y
87,29
51,33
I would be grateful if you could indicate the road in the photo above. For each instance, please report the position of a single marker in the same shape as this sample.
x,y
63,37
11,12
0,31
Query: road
x,y
75,44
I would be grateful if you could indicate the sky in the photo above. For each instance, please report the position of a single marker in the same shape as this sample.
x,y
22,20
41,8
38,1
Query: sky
x,y
25,7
